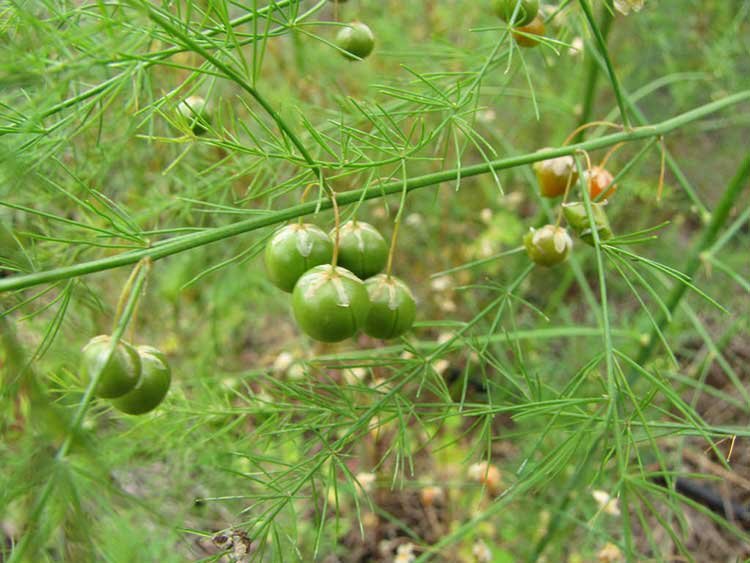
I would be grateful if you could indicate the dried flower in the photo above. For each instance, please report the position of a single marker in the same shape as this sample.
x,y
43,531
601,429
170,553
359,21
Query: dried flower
x,y
366,481
481,552
282,362
624,6
610,553
576,46
431,494
404,553
487,474
442,283
606,502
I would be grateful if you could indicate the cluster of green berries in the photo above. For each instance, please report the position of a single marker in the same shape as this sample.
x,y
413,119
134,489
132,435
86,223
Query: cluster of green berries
x,y
332,303
551,244
135,379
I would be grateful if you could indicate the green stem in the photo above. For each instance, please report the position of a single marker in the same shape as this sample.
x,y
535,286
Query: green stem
x,y
740,181
125,295
30,537
182,243
397,223
566,494
592,76
239,80
672,164
250,16
602,44
615,404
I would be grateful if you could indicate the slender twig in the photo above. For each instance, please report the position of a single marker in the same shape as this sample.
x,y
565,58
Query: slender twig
x,y
153,58
304,197
592,76
237,78
602,44
719,216
336,228
577,133
186,242
397,224
708,497
41,500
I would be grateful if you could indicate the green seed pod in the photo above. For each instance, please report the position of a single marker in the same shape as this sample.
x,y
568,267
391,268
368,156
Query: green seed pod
x,y
392,307
293,250
119,375
193,109
575,215
527,11
548,246
330,304
355,40
362,249
152,386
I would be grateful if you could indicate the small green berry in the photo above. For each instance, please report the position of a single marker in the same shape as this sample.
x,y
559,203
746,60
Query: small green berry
x,y
355,40
548,246
392,307
330,303
293,250
575,215
152,386
117,376
362,249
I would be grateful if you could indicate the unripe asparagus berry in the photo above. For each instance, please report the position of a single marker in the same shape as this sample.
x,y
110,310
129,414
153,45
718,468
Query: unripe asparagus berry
x,y
117,375
362,249
392,307
548,246
355,40
330,304
293,250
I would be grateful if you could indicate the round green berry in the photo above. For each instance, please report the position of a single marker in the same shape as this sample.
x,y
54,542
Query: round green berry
x,y
392,307
548,246
330,303
116,376
152,386
362,249
293,250
355,40
193,109
526,12
576,216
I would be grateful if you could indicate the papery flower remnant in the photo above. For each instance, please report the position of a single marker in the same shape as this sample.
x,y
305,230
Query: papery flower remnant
x,y
624,6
